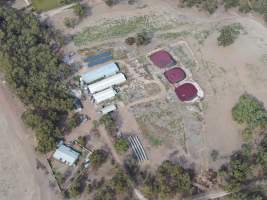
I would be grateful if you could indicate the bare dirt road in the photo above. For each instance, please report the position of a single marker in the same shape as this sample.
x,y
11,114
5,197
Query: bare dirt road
x,y
19,178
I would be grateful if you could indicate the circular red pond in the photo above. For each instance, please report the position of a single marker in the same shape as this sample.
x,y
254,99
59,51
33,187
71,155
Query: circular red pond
x,y
175,75
186,92
162,59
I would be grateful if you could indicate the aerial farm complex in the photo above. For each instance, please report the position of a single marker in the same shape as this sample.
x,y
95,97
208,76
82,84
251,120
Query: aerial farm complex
x,y
133,100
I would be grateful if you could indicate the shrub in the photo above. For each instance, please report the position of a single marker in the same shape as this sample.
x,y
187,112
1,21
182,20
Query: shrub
x,y
74,190
98,157
244,8
111,3
143,38
81,141
130,40
121,145
70,22
214,155
109,123
131,2
231,3
228,34
247,134
79,10
210,5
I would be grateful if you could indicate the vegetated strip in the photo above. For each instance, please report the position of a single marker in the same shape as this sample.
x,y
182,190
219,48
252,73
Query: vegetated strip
x,y
35,73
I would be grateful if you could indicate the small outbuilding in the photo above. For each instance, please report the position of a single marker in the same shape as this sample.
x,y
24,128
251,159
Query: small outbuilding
x,y
162,59
175,75
108,109
186,92
66,155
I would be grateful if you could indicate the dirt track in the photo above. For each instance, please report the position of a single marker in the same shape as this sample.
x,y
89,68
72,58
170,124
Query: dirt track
x,y
19,178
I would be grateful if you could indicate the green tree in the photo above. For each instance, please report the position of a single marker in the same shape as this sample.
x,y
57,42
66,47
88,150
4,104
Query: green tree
x,y
249,111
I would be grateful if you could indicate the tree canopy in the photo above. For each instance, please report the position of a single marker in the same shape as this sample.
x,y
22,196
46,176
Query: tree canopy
x,y
170,179
34,71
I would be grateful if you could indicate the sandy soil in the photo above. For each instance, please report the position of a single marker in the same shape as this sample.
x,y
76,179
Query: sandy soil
x,y
19,178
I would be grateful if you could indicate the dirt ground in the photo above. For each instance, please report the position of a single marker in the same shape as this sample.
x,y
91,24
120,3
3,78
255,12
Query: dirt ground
x,y
19,178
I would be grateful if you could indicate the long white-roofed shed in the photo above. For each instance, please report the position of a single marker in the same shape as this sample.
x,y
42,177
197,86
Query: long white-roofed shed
x,y
104,95
102,72
106,83
66,155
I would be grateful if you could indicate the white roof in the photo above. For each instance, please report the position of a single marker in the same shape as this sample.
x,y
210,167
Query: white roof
x,y
104,95
104,71
106,83
66,155
108,109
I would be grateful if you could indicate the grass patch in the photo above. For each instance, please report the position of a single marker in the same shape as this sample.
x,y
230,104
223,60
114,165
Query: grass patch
x,y
44,5
120,28
153,140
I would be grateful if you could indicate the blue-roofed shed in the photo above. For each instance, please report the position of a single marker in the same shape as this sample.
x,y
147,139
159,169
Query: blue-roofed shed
x,y
102,72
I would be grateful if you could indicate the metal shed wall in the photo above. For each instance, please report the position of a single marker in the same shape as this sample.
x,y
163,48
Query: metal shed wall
x,y
106,83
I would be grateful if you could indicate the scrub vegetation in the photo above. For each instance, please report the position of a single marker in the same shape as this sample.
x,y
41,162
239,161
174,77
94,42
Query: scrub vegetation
x,y
119,28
